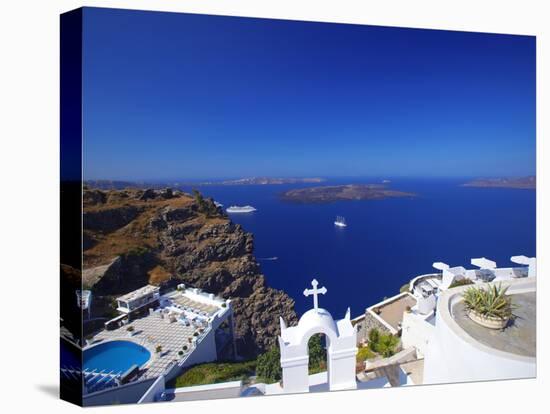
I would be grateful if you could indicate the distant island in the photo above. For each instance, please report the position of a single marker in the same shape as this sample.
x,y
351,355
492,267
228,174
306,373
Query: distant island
x,y
529,183
120,185
267,181
328,194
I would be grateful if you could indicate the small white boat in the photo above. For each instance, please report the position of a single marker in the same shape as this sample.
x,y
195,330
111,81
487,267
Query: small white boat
x,y
218,204
240,209
340,222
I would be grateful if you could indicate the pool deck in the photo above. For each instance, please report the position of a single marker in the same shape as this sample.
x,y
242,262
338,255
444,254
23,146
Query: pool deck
x,y
151,331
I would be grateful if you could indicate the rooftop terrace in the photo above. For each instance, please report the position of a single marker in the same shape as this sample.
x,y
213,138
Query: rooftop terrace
x,y
518,338
186,303
392,310
138,293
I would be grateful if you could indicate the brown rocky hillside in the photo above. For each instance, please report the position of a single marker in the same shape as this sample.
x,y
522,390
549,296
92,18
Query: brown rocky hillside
x,y
134,237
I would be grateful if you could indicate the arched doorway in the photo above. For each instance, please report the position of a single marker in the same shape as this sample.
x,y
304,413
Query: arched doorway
x,y
317,353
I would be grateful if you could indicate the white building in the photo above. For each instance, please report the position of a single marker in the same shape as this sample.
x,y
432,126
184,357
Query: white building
x,y
137,299
180,328
455,349
459,350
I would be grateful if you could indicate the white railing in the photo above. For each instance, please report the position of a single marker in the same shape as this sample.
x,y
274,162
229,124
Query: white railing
x,y
422,277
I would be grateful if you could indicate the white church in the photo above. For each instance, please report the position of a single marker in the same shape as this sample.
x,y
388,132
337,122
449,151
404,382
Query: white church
x,y
341,343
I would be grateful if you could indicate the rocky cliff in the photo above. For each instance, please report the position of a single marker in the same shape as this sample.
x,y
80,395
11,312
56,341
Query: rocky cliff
x,y
135,237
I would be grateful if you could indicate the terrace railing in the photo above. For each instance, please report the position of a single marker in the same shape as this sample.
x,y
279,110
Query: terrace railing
x,y
93,380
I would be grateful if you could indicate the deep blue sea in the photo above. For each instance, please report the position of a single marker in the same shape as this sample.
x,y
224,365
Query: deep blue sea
x,y
387,242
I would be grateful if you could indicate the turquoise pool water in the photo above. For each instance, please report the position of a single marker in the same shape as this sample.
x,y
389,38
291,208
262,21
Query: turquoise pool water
x,y
115,356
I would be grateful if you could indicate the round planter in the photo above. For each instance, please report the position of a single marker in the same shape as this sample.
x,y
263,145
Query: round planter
x,y
487,321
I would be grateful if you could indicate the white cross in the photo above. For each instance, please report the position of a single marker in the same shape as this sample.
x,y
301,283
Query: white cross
x,y
315,292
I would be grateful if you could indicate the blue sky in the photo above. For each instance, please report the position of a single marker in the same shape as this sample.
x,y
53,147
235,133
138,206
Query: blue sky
x,y
177,96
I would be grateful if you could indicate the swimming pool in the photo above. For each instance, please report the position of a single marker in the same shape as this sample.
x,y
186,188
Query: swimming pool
x,y
115,356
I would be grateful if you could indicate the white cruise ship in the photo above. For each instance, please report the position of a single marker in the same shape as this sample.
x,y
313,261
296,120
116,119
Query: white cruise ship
x,y
340,221
240,209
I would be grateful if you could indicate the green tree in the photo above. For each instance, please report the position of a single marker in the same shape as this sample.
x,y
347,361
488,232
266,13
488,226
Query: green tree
x,y
199,199
383,344
374,336
268,365
317,353
364,353
387,345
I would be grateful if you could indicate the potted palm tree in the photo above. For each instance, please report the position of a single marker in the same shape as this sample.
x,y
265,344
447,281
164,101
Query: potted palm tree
x,y
489,307
130,330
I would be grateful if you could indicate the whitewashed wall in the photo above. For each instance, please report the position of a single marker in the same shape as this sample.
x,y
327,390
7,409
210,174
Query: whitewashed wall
x,y
416,332
207,392
453,356
154,391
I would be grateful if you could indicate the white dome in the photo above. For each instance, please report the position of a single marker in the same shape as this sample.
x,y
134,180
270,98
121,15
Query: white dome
x,y
317,318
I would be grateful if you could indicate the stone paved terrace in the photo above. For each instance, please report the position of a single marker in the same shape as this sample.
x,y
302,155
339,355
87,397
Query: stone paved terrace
x,y
392,312
520,335
151,331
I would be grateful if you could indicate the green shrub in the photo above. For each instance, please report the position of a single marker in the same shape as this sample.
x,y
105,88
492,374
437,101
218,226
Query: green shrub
x,y
384,344
268,366
374,335
317,354
364,353
491,302
387,345
461,282
205,206
137,251
212,373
